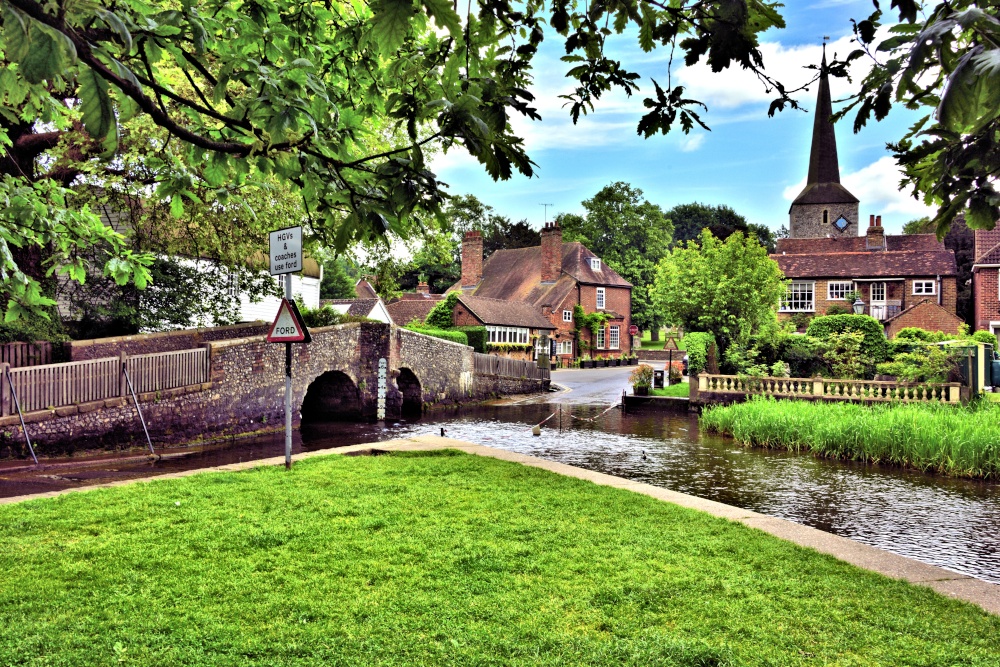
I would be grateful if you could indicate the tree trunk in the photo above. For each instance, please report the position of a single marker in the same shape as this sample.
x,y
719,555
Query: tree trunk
x,y
654,333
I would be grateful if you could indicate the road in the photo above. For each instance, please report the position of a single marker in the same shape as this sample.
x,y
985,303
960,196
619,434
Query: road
x,y
590,385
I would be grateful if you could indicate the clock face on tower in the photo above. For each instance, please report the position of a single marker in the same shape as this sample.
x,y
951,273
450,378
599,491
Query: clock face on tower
x,y
841,223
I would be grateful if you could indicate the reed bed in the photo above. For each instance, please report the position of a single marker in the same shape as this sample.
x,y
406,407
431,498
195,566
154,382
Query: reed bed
x,y
960,441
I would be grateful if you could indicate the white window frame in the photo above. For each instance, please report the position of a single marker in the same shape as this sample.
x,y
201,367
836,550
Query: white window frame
x,y
567,316
614,337
507,335
566,347
595,264
600,339
844,287
804,306
924,284
601,298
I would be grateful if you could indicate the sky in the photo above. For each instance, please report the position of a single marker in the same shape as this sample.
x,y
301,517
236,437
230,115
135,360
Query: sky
x,y
748,161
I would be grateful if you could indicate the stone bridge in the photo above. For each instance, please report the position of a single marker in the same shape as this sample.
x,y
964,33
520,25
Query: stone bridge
x,y
334,377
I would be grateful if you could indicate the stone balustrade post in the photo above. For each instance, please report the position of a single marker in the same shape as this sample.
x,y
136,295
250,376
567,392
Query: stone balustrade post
x,y
817,387
702,382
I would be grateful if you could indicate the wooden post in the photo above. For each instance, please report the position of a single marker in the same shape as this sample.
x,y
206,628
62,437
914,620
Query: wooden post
x,y
122,382
4,391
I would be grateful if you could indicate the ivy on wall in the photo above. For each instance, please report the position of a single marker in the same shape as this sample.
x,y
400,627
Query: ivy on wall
x,y
583,320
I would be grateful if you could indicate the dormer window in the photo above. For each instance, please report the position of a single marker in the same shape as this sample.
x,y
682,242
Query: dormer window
x,y
595,264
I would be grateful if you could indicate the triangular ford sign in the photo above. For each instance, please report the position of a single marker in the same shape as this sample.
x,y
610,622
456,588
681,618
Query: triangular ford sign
x,y
288,326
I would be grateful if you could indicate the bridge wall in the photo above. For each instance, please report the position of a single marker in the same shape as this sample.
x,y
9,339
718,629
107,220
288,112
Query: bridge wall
x,y
245,393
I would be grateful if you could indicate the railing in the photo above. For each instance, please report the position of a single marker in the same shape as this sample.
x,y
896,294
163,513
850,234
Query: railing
x,y
883,312
488,364
19,355
862,390
166,370
56,385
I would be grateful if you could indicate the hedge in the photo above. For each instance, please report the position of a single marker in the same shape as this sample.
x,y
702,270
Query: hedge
x,y
697,344
478,337
873,347
444,334
442,315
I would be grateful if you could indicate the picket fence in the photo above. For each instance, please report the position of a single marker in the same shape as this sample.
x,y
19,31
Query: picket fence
x,y
861,390
489,364
57,385
26,354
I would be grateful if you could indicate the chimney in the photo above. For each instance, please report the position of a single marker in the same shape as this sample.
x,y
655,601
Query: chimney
x,y
551,252
472,258
423,288
875,239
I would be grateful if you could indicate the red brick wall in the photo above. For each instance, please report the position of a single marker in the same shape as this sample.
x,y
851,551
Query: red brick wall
x,y
472,258
463,318
928,316
551,253
985,293
893,290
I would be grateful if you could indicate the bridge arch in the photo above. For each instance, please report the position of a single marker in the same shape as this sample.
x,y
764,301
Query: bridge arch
x,y
413,399
333,396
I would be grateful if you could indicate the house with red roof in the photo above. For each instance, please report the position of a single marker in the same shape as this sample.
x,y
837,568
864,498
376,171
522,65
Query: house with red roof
x,y
538,287
986,279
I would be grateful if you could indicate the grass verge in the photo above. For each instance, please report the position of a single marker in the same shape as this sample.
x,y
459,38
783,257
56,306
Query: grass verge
x,y
679,389
648,344
951,440
440,560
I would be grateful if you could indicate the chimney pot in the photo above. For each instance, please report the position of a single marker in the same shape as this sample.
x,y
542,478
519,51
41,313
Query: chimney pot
x,y
878,220
423,288
871,220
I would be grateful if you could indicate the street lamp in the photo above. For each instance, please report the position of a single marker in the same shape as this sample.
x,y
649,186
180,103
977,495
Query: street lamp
x,y
859,306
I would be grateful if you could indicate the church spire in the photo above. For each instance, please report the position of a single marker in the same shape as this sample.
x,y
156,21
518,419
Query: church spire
x,y
823,164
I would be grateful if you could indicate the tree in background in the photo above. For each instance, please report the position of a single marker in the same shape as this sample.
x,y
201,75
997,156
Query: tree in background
x,y
339,278
630,235
729,288
690,219
962,241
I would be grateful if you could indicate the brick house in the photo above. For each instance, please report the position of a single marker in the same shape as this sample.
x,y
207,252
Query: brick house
x,y
410,306
509,324
553,278
986,280
825,259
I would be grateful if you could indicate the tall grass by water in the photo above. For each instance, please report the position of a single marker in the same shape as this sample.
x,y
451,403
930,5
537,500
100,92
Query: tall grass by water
x,y
950,440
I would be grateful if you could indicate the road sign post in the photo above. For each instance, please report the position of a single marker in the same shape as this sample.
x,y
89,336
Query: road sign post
x,y
286,259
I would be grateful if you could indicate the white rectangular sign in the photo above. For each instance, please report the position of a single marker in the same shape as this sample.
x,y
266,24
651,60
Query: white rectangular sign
x,y
286,251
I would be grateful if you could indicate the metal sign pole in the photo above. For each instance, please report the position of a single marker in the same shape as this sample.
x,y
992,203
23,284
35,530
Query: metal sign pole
x,y
288,385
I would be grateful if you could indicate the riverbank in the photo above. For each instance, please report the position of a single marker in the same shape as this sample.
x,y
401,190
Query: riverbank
x,y
439,558
949,440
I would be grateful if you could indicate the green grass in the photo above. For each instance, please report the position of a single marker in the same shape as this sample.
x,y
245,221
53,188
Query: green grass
x,y
648,344
680,389
951,440
440,560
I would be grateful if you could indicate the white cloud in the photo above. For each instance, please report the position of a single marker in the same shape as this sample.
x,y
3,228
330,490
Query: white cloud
x,y
877,186
692,142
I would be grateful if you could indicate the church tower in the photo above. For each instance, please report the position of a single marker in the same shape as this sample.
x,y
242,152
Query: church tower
x,y
824,207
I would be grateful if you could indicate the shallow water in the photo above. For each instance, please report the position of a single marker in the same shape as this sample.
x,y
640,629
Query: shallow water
x,y
950,523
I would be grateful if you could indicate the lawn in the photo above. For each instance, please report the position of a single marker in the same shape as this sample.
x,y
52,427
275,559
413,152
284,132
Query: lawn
x,y
648,344
679,389
947,439
440,559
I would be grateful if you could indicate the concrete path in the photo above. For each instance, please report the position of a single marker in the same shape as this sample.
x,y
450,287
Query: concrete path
x,y
951,584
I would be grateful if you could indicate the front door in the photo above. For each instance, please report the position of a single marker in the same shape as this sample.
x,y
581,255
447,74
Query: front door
x,y
878,305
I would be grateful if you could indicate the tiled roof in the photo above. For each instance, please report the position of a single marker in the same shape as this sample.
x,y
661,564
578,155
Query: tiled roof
x,y
857,244
923,304
358,307
364,290
412,305
987,245
516,275
873,264
506,313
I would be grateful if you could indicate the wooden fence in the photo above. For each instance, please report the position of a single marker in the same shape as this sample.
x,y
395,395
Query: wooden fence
x,y
489,364
860,390
19,355
56,385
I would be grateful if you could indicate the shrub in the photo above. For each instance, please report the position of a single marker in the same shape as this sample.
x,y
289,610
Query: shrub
x,y
478,337
803,354
873,346
928,363
837,309
843,353
509,347
33,328
700,349
917,335
985,337
444,334
641,376
779,369
801,320
442,315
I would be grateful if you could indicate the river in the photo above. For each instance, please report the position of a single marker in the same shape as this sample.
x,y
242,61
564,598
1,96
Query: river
x,y
951,523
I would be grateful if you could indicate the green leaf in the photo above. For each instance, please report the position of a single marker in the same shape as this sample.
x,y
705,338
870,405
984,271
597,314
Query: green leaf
x,y
972,97
117,26
15,33
95,103
392,23
44,59
444,15
176,206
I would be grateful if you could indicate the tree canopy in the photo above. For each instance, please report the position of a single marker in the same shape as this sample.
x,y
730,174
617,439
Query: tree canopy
x,y
339,99
690,219
729,288
942,59
630,235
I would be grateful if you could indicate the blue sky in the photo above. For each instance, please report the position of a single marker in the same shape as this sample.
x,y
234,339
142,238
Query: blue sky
x,y
748,161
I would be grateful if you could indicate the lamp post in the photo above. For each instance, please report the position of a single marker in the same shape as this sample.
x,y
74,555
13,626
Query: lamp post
x,y
859,306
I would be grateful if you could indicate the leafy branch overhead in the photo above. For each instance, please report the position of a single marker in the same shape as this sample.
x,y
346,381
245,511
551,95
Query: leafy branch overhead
x,y
341,100
945,61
